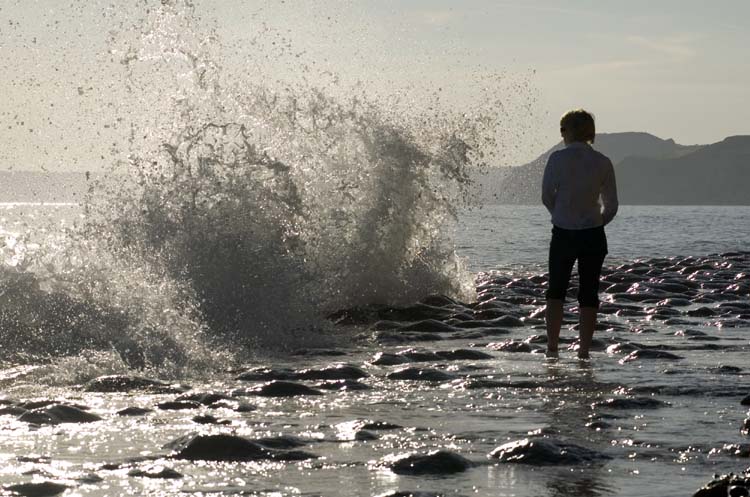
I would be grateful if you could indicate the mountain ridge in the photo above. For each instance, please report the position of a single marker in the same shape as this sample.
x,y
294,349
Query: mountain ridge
x,y
649,170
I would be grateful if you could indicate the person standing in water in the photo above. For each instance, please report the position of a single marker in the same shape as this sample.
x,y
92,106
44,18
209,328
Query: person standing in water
x,y
580,192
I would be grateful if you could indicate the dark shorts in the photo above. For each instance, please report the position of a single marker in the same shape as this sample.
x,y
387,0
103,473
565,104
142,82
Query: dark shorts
x,y
588,247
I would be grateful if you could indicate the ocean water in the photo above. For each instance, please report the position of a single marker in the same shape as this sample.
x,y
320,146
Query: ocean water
x,y
679,422
274,287
507,237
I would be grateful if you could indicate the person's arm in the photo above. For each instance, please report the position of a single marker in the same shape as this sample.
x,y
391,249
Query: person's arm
x,y
609,194
549,185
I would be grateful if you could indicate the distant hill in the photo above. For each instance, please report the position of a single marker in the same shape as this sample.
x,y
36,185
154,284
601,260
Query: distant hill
x,y
716,174
649,170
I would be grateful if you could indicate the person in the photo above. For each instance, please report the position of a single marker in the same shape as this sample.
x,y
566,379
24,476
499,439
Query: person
x,y
580,192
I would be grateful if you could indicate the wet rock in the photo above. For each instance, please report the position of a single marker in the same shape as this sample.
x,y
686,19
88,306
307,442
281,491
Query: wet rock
x,y
413,355
701,312
415,312
379,425
42,489
124,383
266,374
420,374
745,401
439,462
388,359
203,398
388,337
364,436
428,326
724,369
481,383
736,450
133,411
285,442
689,333
157,472
58,413
598,425
335,372
12,411
281,389
726,485
621,348
178,405
319,353
342,385
224,447
638,330
630,403
544,452
463,355
642,354
439,301
207,419
512,346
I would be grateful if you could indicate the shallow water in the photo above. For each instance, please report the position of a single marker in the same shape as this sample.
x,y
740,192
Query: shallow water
x,y
669,449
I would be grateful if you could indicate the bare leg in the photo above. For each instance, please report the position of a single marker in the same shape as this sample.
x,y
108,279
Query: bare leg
x,y
586,325
554,317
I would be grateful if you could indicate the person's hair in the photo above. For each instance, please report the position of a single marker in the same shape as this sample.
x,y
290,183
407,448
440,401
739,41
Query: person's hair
x,y
581,123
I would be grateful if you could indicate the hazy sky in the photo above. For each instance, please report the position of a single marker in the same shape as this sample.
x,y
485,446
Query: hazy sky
x,y
675,68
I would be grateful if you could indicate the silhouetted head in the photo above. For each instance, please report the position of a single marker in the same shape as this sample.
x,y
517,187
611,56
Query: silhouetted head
x,y
577,125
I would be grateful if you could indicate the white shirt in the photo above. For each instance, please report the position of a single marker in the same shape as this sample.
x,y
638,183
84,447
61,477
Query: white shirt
x,y
579,188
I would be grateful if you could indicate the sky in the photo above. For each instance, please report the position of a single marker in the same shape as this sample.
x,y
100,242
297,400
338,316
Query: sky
x,y
674,68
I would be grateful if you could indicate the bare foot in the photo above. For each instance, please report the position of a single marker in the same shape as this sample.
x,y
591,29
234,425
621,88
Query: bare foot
x,y
552,354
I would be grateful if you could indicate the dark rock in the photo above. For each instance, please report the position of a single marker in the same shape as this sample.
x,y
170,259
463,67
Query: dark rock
x,y
726,485
745,401
512,346
282,389
12,411
598,425
178,405
641,354
204,398
364,436
388,359
420,374
284,442
725,369
379,425
266,374
342,385
621,348
319,353
58,413
463,355
630,403
43,489
545,451
134,411
207,419
701,312
160,472
737,450
123,383
229,448
439,462
428,326
335,372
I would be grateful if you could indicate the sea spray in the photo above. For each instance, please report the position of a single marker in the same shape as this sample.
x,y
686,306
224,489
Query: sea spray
x,y
243,212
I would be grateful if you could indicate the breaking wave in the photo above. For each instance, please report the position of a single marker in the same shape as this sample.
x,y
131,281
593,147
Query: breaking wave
x,y
244,213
